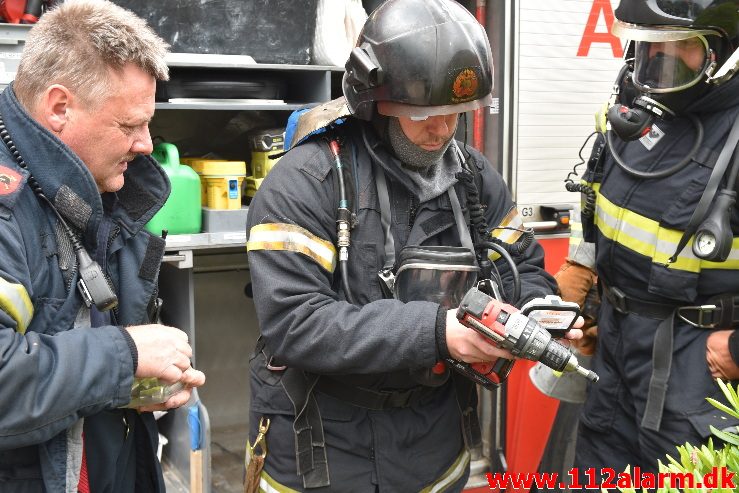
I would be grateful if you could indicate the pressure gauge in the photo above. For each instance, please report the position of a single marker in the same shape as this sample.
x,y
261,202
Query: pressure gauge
x,y
714,236
704,244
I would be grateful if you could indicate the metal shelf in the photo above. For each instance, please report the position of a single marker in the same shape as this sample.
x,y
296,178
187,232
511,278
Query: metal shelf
x,y
201,241
220,104
207,60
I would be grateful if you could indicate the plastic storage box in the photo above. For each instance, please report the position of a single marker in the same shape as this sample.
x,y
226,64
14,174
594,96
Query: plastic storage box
x,y
221,182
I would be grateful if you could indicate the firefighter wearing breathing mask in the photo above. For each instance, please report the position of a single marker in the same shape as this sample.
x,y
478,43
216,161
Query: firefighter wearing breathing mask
x,y
350,326
666,231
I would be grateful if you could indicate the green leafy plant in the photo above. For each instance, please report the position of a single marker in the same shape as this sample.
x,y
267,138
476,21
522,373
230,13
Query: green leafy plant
x,y
699,461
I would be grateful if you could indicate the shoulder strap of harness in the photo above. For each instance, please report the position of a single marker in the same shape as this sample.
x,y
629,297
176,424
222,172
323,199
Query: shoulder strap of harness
x,y
711,188
310,444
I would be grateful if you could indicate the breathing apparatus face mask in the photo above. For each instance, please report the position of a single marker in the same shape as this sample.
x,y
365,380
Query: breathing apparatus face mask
x,y
662,67
667,70
439,274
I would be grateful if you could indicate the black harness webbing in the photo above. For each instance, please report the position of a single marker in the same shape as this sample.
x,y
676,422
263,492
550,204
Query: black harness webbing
x,y
711,187
661,366
663,341
310,445
377,400
661,351
466,392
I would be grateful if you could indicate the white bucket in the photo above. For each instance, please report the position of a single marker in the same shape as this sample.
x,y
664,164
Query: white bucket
x,y
568,387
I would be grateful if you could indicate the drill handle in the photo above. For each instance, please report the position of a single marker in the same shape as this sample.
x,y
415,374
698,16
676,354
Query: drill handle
x,y
487,375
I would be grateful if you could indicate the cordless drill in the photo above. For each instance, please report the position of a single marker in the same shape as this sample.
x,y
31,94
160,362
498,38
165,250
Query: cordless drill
x,y
510,329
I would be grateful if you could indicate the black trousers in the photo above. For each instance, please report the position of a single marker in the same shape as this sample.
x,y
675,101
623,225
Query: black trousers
x,y
610,436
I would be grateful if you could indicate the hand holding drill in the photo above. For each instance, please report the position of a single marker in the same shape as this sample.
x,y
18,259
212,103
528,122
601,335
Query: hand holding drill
x,y
503,332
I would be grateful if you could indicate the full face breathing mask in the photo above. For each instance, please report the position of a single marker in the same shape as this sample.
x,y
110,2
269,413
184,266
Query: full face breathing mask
x,y
659,80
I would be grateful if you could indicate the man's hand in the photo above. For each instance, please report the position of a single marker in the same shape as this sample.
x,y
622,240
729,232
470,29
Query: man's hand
x,y
468,345
190,378
575,333
164,353
719,359
575,281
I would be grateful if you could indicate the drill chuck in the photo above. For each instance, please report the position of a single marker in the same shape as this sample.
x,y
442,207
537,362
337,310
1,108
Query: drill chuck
x,y
560,358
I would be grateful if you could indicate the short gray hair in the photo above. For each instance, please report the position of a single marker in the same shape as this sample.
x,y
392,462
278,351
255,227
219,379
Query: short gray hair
x,y
76,43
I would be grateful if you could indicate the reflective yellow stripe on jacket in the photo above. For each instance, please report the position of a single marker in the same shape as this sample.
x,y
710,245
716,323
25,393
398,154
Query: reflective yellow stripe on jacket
x,y
292,238
454,473
15,302
509,230
268,485
646,237
451,475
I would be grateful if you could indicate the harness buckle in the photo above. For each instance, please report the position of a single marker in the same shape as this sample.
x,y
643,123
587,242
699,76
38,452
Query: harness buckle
x,y
703,314
618,299
387,284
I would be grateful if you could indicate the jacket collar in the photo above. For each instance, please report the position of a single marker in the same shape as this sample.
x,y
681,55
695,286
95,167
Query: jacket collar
x,y
67,182
381,154
718,98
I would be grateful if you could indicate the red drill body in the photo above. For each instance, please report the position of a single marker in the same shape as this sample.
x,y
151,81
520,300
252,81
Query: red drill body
x,y
507,328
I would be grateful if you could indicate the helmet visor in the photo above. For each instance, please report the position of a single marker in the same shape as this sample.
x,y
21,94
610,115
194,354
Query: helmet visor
x,y
417,112
668,66
636,32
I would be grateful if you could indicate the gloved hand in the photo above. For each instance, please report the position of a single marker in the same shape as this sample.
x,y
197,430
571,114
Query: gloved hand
x,y
720,362
575,281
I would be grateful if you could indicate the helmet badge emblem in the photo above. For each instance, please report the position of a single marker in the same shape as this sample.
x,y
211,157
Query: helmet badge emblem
x,y
465,85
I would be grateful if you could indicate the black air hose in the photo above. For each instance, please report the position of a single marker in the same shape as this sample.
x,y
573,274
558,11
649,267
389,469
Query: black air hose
x,y
588,207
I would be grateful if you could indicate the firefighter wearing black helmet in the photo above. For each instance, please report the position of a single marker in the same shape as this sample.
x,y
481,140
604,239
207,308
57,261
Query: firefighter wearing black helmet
x,y
666,230
342,368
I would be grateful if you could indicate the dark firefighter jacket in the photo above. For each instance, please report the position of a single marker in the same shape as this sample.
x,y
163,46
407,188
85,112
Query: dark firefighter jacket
x,y
638,223
307,324
54,370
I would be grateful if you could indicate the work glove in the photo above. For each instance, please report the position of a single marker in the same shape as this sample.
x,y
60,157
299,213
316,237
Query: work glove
x,y
575,281
718,355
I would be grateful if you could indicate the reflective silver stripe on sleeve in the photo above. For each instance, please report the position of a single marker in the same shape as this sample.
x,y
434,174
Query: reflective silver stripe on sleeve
x,y
292,238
